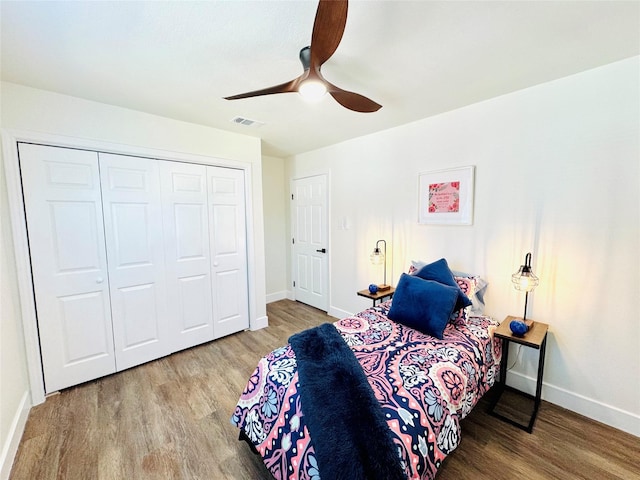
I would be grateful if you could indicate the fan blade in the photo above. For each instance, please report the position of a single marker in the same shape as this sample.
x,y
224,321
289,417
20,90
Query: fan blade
x,y
328,27
352,101
291,86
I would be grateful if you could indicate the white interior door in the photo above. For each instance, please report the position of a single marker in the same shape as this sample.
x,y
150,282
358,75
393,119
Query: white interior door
x,y
187,259
228,240
133,231
310,239
66,239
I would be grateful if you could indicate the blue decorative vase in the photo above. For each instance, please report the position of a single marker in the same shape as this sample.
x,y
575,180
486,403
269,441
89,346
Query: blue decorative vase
x,y
373,288
518,327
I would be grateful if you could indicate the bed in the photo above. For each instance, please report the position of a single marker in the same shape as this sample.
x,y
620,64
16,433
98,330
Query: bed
x,y
423,384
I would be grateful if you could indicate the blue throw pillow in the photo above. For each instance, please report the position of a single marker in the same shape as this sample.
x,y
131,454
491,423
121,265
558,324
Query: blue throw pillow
x,y
439,272
423,304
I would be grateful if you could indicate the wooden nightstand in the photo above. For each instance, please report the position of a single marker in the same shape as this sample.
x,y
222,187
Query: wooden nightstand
x,y
536,338
379,296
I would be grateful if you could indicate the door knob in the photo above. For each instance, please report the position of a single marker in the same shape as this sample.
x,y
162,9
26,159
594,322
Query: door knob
x,y
215,264
99,280
322,250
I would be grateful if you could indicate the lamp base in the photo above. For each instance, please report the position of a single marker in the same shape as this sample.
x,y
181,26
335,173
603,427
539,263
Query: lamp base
x,y
383,287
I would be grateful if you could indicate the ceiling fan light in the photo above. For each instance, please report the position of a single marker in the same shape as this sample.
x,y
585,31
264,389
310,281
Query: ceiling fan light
x,y
312,90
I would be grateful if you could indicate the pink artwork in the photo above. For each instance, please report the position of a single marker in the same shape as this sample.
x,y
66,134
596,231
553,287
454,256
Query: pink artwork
x,y
444,197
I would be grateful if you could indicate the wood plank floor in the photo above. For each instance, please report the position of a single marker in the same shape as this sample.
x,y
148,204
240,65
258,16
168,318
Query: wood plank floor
x,y
169,419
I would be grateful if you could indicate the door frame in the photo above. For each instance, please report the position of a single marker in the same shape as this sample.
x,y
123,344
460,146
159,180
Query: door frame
x,y
10,140
327,175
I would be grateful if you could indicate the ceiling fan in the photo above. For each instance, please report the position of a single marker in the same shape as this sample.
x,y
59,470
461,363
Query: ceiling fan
x,y
328,27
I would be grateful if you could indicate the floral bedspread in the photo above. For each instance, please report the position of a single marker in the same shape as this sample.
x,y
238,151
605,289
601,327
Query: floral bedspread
x,y
425,387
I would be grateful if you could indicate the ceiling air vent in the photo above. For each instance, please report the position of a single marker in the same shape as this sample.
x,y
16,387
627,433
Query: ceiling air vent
x,y
247,122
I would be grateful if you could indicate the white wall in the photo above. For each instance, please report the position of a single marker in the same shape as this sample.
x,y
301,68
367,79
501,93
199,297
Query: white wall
x,y
275,227
557,174
27,109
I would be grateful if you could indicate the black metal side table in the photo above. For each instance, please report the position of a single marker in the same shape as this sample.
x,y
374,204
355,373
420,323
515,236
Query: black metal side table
x,y
536,338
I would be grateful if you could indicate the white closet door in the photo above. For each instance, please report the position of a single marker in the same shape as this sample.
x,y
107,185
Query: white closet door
x,y
66,240
310,234
228,250
186,236
133,230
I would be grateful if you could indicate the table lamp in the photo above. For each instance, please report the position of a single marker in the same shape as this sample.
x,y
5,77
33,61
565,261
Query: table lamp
x,y
379,257
525,280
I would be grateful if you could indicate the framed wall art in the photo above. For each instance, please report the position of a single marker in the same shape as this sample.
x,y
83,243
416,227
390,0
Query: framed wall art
x,y
445,197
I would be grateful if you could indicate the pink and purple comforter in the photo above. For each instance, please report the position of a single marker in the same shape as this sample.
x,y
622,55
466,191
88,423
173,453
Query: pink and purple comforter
x,y
424,385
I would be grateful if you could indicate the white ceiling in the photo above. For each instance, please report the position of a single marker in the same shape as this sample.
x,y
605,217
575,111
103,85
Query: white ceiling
x,y
416,58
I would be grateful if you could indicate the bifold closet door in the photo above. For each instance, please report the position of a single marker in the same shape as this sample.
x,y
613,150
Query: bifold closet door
x,y
228,232
63,207
133,230
132,258
187,258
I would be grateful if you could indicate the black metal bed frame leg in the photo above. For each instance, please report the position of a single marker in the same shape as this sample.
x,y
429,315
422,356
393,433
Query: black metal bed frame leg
x,y
243,438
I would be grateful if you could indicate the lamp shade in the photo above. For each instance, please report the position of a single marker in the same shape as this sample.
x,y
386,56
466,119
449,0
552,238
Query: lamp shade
x,y
377,257
524,279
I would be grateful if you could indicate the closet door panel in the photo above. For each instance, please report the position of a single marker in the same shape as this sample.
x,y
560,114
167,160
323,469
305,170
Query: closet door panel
x,y
133,228
139,316
68,260
228,250
186,234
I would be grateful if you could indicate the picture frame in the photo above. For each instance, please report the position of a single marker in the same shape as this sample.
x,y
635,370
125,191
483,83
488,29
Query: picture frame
x,y
445,197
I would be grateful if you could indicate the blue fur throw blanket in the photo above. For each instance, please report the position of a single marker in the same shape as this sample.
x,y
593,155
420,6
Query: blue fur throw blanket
x,y
351,438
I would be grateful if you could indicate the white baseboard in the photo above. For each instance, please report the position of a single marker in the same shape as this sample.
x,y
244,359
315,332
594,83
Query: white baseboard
x,y
274,297
601,412
10,447
338,313
258,323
